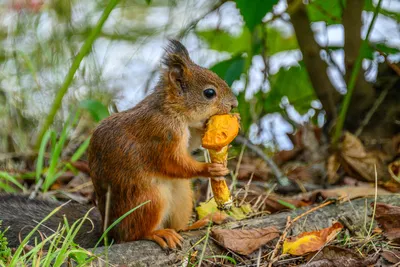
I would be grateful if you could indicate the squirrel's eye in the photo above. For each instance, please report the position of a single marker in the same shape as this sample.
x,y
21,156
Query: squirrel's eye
x,y
209,93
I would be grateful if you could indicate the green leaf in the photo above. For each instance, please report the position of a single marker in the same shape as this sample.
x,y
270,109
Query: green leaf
x,y
231,69
286,204
254,10
222,41
82,149
276,41
329,11
293,83
148,2
370,7
95,108
7,177
382,47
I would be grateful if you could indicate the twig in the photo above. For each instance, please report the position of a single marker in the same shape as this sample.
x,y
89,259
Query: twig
x,y
374,108
281,178
246,189
280,242
36,190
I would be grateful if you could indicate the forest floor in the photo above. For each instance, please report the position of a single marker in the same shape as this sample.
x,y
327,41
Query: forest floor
x,y
324,209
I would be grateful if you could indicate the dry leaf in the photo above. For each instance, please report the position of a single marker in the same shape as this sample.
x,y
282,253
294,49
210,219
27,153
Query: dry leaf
x,y
388,218
392,256
310,241
357,162
345,193
245,241
394,170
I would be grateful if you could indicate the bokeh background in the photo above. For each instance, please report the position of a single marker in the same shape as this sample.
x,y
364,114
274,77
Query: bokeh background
x,y
261,58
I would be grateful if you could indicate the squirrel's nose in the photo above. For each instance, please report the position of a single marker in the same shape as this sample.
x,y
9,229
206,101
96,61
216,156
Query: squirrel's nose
x,y
234,103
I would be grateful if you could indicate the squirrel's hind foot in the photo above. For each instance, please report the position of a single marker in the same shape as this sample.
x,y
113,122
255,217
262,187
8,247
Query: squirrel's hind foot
x,y
166,238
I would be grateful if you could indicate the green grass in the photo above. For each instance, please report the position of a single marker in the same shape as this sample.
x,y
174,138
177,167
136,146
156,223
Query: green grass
x,y
85,49
61,246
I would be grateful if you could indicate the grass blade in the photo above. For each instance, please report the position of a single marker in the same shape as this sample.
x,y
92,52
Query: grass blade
x,y
85,49
11,179
116,222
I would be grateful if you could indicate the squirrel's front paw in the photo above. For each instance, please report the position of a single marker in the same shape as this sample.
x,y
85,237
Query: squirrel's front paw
x,y
217,170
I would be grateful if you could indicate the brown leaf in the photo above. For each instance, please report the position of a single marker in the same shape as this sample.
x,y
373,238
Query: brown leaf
x,y
388,218
284,156
245,241
392,256
310,241
346,192
358,163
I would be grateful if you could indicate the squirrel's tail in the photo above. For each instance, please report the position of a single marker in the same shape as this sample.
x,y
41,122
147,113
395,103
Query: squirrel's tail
x,y
21,215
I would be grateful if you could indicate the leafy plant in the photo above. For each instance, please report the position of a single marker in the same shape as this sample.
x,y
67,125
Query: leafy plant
x,y
5,251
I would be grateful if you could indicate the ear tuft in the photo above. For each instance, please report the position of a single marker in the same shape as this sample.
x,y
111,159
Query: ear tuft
x,y
175,53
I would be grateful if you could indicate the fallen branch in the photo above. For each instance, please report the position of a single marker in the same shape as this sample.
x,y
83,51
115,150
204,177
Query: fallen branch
x,y
147,253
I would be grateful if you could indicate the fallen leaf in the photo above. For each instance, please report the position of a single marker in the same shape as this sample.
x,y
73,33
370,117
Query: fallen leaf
x,y
209,207
345,193
284,156
310,241
245,241
392,256
388,218
358,162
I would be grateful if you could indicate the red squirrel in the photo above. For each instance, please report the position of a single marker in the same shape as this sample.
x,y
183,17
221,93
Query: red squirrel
x,y
143,153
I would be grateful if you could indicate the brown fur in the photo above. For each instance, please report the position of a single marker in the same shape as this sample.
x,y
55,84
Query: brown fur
x,y
143,153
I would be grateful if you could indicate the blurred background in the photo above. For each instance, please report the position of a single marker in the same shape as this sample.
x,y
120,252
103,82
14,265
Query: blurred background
x,y
257,54
289,63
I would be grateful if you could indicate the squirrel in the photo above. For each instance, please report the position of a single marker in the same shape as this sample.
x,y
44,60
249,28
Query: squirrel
x,y
143,154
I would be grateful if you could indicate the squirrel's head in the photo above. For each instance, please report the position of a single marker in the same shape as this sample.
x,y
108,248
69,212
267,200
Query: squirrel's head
x,y
198,92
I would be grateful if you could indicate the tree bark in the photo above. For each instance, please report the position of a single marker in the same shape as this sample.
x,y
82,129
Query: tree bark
x,y
146,253
316,67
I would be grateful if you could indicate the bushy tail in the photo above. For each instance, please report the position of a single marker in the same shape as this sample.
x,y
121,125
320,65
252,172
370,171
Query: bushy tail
x,y
21,215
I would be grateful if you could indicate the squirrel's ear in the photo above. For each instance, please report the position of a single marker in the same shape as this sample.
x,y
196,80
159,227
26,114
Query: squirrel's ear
x,y
177,61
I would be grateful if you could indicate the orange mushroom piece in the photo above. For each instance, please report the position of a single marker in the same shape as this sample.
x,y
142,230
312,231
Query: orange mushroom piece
x,y
220,132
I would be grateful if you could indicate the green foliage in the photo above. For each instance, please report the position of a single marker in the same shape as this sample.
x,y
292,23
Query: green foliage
x,y
220,40
118,221
62,248
95,108
7,178
231,69
276,41
369,6
85,49
293,83
5,251
253,11
329,11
